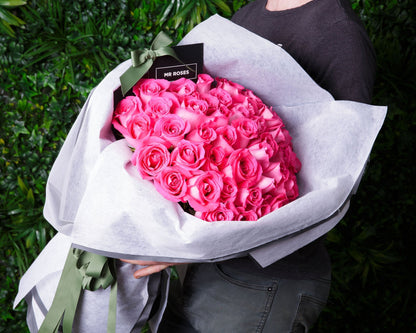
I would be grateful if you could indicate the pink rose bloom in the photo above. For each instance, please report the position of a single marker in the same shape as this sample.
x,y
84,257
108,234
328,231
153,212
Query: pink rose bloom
x,y
212,101
171,183
265,141
223,96
249,198
234,89
138,127
220,213
195,104
253,98
291,187
151,157
148,88
229,191
275,126
173,98
268,113
226,137
240,110
204,134
194,118
275,171
287,156
246,215
272,202
204,191
183,87
125,108
282,137
264,149
171,128
216,158
203,85
189,155
246,130
158,107
243,167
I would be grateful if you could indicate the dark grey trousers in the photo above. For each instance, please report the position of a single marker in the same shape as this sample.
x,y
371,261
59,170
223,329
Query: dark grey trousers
x,y
217,299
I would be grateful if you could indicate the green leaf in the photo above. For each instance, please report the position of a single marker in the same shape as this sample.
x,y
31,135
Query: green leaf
x,y
12,3
22,185
9,18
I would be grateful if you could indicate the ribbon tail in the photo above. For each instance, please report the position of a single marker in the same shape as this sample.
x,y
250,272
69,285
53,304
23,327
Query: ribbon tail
x,y
130,77
68,286
112,309
70,310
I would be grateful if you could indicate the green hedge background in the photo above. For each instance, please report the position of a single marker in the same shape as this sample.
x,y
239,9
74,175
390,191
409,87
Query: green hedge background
x,y
52,52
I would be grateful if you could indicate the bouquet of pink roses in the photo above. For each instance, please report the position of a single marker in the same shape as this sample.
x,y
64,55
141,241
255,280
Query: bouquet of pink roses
x,y
218,148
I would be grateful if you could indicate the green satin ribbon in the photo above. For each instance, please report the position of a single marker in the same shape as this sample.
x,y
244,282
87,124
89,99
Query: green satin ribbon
x,y
82,270
142,60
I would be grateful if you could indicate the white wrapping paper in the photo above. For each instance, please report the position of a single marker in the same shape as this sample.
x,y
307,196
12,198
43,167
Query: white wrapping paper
x,y
97,199
96,196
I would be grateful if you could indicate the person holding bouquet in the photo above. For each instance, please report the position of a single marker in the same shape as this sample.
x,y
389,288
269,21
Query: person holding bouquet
x,y
327,39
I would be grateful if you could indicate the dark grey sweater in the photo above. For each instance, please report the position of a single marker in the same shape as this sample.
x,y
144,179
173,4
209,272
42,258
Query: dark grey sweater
x,y
327,39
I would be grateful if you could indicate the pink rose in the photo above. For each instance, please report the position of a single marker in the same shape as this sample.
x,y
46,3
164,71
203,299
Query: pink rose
x,y
203,133
234,89
265,142
171,183
220,213
138,127
287,156
195,104
275,171
243,167
229,191
183,87
148,88
212,101
151,157
246,130
249,198
125,108
216,157
291,187
189,155
171,128
158,107
223,96
246,215
275,125
272,202
203,85
253,98
226,137
173,98
204,191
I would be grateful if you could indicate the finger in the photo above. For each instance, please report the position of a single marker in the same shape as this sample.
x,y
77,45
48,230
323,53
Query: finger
x,y
150,270
142,262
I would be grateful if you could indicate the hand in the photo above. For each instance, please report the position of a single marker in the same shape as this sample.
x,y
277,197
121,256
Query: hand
x,y
151,267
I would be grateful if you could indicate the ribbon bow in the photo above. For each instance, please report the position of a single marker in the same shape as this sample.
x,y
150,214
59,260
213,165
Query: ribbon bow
x,y
142,60
82,270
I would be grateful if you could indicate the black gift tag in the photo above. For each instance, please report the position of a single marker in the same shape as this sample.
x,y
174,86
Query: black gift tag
x,y
170,69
